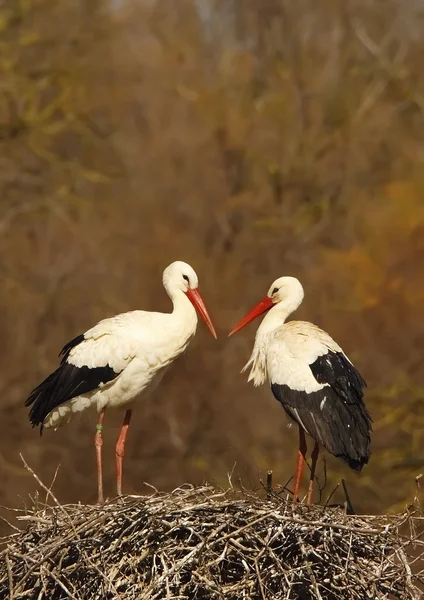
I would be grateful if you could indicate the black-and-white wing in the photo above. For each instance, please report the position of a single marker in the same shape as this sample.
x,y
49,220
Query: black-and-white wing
x,y
67,382
322,391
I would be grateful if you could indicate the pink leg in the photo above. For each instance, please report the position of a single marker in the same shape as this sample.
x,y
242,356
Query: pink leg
x,y
98,443
314,458
120,450
300,463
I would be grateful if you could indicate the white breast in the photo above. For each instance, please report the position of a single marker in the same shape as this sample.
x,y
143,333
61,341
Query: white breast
x,y
284,354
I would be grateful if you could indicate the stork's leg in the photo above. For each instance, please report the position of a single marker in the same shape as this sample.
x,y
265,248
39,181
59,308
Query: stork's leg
x,y
120,450
98,443
314,458
300,463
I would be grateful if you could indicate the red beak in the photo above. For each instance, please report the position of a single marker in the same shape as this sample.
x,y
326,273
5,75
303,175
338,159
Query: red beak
x,y
257,311
196,300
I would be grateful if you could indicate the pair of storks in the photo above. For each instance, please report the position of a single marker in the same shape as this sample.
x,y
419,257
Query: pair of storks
x,y
123,358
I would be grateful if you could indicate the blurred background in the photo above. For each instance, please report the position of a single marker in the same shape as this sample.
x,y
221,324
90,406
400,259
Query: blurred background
x,y
252,140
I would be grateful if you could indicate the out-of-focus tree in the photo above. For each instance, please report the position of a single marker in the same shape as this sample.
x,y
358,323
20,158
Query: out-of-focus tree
x,y
252,139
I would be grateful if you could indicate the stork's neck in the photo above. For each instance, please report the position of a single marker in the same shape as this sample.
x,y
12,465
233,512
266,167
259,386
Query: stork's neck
x,y
184,313
274,319
277,316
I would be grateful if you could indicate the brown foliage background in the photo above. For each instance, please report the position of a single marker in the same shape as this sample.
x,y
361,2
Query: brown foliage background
x,y
251,139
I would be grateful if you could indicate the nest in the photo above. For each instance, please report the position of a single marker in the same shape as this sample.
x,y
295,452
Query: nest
x,y
200,543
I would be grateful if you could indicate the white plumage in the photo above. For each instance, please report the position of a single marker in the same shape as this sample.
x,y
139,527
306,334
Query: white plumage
x,y
137,345
298,343
311,376
121,358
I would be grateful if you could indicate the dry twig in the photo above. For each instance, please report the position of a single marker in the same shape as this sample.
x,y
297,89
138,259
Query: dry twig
x,y
208,544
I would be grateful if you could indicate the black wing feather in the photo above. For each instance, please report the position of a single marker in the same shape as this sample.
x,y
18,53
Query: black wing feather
x,y
334,416
336,370
67,382
69,346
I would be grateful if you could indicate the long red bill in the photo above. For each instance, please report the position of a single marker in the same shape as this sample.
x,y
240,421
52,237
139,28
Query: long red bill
x,y
196,300
257,311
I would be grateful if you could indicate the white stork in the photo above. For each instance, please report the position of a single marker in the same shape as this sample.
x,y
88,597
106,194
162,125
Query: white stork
x,y
313,379
119,360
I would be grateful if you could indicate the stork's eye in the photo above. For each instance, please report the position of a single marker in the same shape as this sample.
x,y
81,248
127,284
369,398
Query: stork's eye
x,y
186,278
274,291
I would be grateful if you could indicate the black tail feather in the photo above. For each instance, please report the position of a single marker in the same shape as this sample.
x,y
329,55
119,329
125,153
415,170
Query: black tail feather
x,y
67,382
341,428
40,399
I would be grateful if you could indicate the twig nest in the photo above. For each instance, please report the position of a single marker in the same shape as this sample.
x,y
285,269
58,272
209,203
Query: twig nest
x,y
200,543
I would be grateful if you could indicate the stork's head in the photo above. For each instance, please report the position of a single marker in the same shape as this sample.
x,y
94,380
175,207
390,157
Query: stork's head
x,y
180,277
287,292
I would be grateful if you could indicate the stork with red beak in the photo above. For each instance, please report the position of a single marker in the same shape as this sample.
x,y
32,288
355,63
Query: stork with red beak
x,y
119,361
312,378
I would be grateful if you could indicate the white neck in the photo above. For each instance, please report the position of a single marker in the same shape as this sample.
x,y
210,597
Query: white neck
x,y
274,319
277,316
183,312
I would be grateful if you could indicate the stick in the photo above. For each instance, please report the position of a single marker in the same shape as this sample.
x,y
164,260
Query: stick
x,y
269,484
